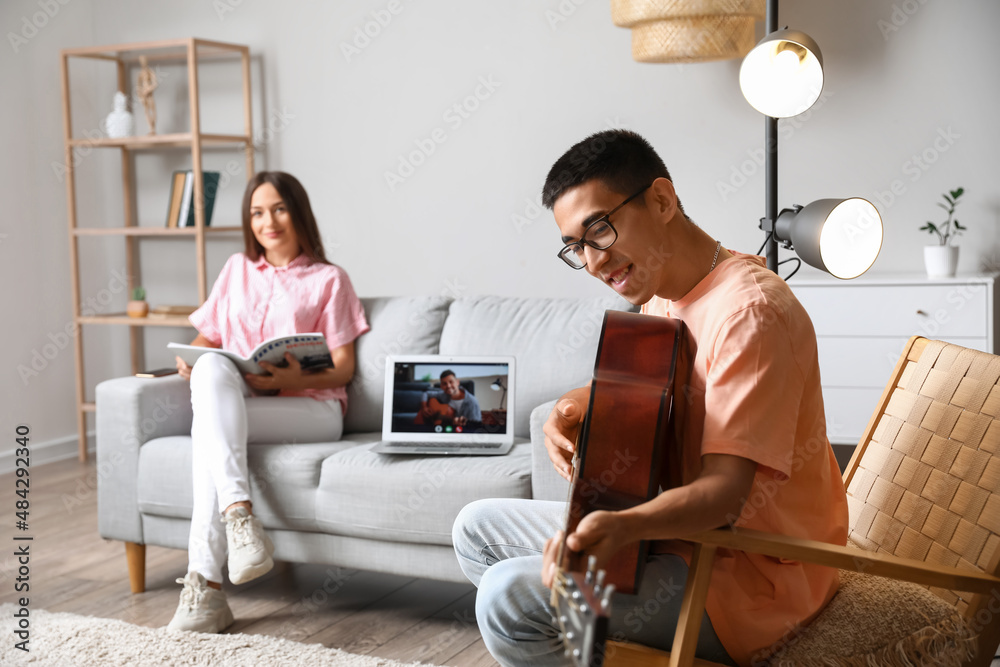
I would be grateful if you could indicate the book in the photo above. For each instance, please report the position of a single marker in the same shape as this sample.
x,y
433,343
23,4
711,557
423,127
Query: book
x,y
183,215
169,311
186,195
176,195
309,348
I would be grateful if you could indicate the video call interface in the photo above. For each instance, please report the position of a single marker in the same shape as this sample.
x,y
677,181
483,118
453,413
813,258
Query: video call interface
x,y
470,398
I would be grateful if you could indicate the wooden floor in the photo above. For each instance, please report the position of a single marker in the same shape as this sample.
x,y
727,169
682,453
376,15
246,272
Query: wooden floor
x,y
74,570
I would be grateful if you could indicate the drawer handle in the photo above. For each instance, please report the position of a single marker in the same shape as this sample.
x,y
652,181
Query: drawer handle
x,y
920,312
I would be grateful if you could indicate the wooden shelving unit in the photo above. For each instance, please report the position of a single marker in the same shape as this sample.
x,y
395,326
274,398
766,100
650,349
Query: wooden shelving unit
x,y
126,56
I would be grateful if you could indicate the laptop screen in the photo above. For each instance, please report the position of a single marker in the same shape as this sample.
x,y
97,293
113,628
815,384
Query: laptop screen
x,y
449,398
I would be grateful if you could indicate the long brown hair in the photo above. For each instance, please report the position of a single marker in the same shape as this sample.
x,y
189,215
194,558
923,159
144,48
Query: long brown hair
x,y
297,202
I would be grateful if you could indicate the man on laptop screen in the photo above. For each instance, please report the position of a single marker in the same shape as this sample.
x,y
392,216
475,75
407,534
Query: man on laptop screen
x,y
448,405
451,404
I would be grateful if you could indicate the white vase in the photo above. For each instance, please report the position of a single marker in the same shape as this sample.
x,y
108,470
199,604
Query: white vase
x,y
941,261
119,122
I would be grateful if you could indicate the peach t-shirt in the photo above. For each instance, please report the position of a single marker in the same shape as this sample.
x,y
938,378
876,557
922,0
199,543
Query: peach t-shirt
x,y
756,393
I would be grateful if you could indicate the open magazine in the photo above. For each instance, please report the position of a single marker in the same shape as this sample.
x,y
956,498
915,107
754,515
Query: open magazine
x,y
309,348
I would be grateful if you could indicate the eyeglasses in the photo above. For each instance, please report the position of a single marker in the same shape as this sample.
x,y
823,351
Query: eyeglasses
x,y
599,235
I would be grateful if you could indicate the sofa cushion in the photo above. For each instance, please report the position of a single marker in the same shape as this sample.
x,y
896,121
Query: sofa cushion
x,y
399,325
283,480
553,340
412,498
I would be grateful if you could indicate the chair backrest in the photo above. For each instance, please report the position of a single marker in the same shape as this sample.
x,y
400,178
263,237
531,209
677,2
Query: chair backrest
x,y
924,482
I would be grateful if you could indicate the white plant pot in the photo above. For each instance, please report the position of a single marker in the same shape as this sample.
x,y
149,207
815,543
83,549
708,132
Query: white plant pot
x,y
941,261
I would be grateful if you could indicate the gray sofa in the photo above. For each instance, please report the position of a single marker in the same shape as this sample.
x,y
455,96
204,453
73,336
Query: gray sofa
x,y
338,503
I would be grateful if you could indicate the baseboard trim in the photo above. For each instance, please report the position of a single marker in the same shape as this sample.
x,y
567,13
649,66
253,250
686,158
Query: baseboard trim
x,y
59,449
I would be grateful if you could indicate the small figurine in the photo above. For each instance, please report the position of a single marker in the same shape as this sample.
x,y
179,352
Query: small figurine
x,y
119,122
144,89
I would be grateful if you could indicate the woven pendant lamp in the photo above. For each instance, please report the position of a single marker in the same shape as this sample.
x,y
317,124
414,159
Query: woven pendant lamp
x,y
688,31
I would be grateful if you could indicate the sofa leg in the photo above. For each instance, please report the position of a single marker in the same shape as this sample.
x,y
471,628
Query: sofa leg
x,y
135,554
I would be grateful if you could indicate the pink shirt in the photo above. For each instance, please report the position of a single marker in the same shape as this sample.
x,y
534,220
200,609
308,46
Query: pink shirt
x,y
756,394
253,301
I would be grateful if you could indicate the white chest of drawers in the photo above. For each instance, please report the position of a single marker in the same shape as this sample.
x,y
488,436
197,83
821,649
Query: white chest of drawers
x,y
861,327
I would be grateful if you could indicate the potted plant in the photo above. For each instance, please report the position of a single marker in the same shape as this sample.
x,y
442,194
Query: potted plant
x,y
137,307
941,260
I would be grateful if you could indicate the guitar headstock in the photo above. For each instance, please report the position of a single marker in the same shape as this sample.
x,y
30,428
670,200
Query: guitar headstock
x,y
582,604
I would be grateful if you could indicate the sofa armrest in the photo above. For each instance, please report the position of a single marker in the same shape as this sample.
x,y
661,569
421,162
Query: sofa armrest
x,y
130,412
546,483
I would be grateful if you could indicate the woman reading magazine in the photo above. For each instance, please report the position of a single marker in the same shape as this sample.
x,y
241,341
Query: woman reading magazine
x,y
281,284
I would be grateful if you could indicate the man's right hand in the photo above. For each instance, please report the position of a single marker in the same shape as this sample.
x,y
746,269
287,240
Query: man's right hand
x,y
561,430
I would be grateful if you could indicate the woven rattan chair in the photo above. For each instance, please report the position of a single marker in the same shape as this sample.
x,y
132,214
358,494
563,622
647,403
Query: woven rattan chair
x,y
924,493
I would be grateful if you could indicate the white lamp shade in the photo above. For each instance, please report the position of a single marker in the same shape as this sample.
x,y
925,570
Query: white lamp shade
x,y
783,75
840,236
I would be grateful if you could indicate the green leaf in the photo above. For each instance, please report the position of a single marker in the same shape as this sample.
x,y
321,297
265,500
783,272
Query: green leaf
x,y
947,199
930,227
957,193
947,209
958,226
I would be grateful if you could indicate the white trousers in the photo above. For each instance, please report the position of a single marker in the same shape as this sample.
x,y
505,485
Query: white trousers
x,y
226,419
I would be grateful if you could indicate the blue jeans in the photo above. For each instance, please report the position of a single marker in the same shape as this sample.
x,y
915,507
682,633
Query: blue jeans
x,y
499,546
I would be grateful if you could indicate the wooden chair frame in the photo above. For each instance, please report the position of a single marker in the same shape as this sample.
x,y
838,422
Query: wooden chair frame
x,y
985,586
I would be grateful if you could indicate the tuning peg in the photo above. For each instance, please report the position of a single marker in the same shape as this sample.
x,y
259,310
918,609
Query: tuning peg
x,y
606,597
599,583
591,568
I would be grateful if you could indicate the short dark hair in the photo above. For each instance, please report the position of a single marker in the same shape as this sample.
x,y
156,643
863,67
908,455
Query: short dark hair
x,y
621,159
445,374
297,201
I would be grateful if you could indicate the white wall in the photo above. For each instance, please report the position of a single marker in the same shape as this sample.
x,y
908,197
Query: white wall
x,y
465,222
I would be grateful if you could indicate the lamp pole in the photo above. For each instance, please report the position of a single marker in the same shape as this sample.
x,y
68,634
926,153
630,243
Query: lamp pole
x,y
771,161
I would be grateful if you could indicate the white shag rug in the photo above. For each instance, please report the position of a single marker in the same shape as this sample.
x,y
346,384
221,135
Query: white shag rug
x,y
69,640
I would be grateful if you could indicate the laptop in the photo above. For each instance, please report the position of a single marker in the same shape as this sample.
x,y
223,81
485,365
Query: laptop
x,y
448,405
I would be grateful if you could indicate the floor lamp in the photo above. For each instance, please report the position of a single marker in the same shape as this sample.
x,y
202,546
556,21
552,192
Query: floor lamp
x,y
782,77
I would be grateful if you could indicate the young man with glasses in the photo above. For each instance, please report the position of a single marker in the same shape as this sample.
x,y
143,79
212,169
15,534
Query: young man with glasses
x,y
756,453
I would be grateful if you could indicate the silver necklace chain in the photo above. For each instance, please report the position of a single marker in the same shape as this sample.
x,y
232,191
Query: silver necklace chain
x,y
718,246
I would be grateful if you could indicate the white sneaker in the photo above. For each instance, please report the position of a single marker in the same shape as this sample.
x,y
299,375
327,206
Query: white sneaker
x,y
202,608
250,548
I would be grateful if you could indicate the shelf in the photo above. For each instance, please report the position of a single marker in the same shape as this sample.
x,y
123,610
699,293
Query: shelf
x,y
122,318
140,228
175,140
151,231
167,49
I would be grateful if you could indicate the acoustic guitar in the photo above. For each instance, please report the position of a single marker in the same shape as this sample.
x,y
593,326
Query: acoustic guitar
x,y
627,450
440,413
